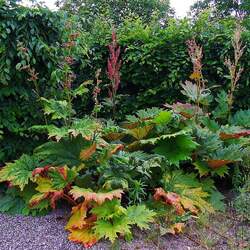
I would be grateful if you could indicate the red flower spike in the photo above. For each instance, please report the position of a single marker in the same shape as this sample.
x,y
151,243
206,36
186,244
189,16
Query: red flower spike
x,y
114,65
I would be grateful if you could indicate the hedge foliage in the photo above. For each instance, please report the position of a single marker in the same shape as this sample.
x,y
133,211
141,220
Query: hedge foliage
x,y
39,31
155,62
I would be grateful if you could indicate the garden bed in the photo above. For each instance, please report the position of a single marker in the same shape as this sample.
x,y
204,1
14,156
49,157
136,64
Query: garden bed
x,y
225,231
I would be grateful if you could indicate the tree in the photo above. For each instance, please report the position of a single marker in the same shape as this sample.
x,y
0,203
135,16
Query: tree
x,y
117,10
222,8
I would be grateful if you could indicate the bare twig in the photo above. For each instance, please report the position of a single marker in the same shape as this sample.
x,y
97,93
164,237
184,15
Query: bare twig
x,y
196,241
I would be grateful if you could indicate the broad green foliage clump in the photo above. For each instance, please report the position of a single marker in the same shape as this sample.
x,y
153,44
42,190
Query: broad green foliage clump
x,y
158,165
154,62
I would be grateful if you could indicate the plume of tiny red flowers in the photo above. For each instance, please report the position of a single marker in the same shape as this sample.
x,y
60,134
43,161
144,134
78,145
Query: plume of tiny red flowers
x,y
113,68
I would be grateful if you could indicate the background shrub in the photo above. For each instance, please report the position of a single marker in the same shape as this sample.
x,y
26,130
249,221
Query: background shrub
x,y
155,63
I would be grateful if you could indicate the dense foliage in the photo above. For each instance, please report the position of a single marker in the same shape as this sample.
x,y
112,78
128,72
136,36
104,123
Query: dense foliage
x,y
38,31
117,11
154,63
132,126
221,8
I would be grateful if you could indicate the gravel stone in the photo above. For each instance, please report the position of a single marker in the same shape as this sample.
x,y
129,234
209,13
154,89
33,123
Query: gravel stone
x,y
47,233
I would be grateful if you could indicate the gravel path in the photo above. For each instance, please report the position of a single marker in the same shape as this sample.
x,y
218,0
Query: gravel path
x,y
47,233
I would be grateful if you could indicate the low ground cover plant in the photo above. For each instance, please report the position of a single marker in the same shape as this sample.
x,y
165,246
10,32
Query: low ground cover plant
x,y
157,166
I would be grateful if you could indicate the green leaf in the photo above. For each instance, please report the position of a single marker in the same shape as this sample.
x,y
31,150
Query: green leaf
x,y
196,94
202,168
176,149
109,210
19,173
82,89
57,109
57,133
163,118
233,152
221,171
140,216
61,177
216,199
144,114
222,109
111,229
85,127
153,141
64,152
241,118
210,124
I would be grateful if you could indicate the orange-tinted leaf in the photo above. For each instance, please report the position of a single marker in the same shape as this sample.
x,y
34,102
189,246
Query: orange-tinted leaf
x,y
99,197
189,205
84,236
128,125
78,216
195,75
87,153
218,163
117,148
186,115
177,228
169,198
225,136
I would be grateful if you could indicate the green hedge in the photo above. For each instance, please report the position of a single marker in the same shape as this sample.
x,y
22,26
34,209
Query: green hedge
x,y
155,59
39,30
155,62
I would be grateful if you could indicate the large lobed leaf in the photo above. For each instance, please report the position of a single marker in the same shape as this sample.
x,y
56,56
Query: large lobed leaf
x,y
99,197
65,152
19,172
177,148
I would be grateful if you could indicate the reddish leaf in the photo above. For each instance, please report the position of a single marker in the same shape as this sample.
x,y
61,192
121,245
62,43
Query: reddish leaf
x,y
169,198
54,196
225,136
87,153
63,172
41,171
218,163
117,148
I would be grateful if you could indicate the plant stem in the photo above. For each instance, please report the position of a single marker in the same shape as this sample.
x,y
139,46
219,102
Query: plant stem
x,y
69,199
